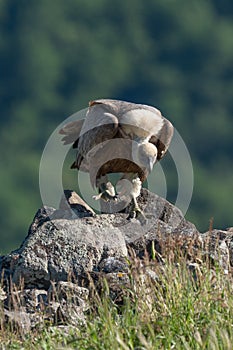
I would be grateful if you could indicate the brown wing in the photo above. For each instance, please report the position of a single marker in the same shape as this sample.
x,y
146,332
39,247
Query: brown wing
x,y
120,165
71,131
113,156
100,125
163,139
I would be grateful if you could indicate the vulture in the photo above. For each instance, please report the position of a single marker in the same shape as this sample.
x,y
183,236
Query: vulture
x,y
119,137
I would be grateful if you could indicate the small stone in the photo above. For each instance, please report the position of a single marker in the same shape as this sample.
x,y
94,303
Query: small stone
x,y
3,295
18,319
71,200
70,292
111,264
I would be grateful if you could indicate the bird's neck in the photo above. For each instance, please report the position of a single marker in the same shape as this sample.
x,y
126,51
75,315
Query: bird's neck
x,y
135,150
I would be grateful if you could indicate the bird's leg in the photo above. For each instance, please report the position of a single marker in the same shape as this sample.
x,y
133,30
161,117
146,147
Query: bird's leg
x,y
130,186
106,189
136,212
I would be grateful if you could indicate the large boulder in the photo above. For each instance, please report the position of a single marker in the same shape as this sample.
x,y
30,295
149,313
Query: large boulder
x,y
69,250
62,243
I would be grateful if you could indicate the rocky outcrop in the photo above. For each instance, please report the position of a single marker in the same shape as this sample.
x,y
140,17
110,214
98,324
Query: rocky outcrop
x,y
69,249
61,243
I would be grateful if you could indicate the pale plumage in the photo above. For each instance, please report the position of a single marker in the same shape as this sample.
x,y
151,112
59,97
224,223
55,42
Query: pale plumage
x,y
118,137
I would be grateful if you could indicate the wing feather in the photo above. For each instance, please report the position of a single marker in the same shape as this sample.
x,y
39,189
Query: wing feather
x,y
163,138
113,156
100,125
71,131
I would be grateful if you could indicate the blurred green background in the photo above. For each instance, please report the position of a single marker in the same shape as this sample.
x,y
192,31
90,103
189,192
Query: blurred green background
x,y
55,56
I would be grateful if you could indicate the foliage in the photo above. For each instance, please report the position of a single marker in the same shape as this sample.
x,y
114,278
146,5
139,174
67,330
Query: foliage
x,y
55,56
177,310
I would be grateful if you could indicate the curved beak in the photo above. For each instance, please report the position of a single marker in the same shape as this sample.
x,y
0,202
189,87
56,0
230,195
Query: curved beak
x,y
151,164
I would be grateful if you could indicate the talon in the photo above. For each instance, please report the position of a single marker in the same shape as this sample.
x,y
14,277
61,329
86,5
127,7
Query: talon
x,y
137,213
97,197
105,196
132,215
141,217
107,192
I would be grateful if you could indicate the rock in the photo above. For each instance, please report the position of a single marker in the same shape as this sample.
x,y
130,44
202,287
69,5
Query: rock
x,y
69,292
3,295
194,269
18,320
218,246
57,249
24,308
70,314
71,200
113,285
111,264
72,207
68,302
166,224
62,248
64,302
71,253
30,299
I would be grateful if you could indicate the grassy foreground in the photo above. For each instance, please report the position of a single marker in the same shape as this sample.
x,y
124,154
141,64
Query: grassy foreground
x,y
173,307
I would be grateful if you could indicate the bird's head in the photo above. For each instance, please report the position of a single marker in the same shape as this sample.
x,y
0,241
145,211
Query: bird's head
x,y
146,156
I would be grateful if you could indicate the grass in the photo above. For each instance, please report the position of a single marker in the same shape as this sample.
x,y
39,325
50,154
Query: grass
x,y
167,306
